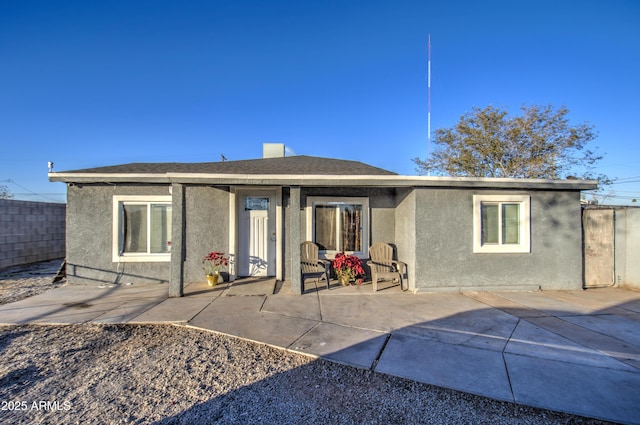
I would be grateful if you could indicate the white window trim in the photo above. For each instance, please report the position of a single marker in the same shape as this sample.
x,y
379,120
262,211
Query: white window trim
x,y
324,200
525,224
118,257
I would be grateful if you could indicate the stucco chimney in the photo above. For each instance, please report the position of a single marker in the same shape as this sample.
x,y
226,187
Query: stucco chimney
x,y
272,150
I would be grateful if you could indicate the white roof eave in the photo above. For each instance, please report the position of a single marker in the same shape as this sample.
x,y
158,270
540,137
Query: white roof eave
x,y
325,180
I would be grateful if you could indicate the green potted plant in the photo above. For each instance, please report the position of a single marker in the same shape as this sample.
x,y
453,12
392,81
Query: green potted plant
x,y
213,263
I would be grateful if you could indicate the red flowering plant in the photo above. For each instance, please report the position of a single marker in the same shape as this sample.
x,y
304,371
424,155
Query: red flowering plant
x,y
348,266
213,261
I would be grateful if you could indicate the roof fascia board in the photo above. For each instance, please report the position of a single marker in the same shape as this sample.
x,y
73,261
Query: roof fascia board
x,y
325,180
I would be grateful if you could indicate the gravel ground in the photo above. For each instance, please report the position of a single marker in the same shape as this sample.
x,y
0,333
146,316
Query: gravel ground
x,y
17,283
164,374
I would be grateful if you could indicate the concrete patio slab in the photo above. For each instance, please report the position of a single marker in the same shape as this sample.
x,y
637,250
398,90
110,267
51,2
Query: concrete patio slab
x,y
125,312
575,388
533,341
241,317
77,304
506,305
64,294
486,328
608,297
77,312
202,289
135,291
173,310
309,285
441,305
342,344
18,314
233,307
452,366
546,302
365,288
250,286
393,311
371,312
293,306
312,285
601,342
623,327
586,298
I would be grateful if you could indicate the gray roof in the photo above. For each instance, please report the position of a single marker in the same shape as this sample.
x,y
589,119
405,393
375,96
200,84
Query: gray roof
x,y
291,165
295,171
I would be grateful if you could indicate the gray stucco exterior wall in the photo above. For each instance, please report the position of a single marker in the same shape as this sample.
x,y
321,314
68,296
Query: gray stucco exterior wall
x,y
445,260
294,238
206,227
382,203
431,228
90,237
176,279
405,232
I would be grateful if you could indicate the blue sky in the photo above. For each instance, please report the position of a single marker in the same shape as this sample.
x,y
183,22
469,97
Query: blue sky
x,y
87,84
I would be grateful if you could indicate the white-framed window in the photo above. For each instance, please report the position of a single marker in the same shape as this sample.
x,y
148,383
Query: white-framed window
x,y
338,224
501,223
141,228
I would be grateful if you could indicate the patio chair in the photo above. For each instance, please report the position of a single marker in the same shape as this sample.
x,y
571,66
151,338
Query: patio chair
x,y
383,266
311,265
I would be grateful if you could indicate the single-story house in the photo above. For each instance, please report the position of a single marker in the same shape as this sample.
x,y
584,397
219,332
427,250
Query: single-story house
x,y
154,222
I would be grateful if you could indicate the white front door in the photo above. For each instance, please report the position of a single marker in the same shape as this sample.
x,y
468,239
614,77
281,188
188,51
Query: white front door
x,y
257,236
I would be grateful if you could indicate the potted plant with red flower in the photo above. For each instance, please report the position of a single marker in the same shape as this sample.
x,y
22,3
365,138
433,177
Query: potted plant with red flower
x,y
212,263
348,268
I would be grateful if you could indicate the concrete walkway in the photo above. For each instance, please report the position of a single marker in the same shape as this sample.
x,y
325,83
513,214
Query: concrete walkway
x,y
576,351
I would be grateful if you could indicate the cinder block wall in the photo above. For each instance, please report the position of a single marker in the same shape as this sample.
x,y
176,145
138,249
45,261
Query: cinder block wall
x,y
31,232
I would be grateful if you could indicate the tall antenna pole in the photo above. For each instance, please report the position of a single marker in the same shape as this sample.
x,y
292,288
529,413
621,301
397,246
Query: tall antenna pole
x,y
428,100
